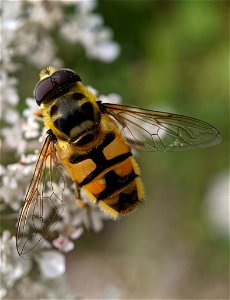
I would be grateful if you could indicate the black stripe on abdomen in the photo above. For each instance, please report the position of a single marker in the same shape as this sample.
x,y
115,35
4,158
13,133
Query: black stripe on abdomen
x,y
97,156
103,165
126,202
115,183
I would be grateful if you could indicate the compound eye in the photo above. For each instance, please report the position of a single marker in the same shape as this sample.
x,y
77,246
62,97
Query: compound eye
x,y
55,85
65,76
43,89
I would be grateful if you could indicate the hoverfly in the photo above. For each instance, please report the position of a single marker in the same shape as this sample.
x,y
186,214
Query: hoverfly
x,y
92,142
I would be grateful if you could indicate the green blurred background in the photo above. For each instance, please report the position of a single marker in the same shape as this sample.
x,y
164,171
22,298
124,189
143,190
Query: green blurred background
x,y
174,57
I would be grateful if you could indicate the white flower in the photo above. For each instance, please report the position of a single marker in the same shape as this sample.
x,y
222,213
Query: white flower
x,y
29,159
90,215
39,287
92,90
51,263
9,98
86,6
44,53
11,116
69,227
112,98
42,16
64,241
14,184
2,170
12,268
31,108
86,28
13,137
8,89
31,129
217,203
105,51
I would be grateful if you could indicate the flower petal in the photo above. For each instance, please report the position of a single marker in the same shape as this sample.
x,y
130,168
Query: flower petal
x,y
51,263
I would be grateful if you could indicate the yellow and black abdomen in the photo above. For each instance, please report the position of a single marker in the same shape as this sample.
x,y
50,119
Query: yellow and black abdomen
x,y
108,174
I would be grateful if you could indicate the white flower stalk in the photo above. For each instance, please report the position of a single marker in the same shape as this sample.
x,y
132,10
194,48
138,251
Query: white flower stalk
x,y
86,28
26,32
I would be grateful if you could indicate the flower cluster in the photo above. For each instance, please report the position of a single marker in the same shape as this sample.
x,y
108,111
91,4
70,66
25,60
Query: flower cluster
x,y
26,32
11,267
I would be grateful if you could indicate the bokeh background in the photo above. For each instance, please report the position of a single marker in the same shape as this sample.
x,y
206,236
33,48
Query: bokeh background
x,y
174,57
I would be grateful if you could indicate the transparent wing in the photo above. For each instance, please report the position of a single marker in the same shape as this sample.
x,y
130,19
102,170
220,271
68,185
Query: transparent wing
x,y
43,205
160,131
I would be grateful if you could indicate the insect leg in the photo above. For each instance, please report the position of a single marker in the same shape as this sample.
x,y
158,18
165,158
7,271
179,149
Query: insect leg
x,y
38,113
